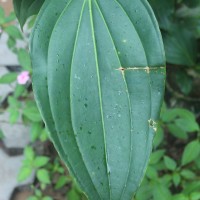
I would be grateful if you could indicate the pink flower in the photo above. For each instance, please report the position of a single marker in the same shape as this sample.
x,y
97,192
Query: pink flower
x,y
23,77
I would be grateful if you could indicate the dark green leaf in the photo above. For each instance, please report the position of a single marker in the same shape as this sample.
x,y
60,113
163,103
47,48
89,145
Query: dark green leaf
x,y
191,152
192,3
180,46
90,100
26,8
184,81
164,12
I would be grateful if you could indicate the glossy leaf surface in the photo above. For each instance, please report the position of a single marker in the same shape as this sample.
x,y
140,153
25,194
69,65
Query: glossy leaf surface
x,y
98,78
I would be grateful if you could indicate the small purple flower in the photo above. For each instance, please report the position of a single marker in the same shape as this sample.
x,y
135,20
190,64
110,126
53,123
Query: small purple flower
x,y
23,77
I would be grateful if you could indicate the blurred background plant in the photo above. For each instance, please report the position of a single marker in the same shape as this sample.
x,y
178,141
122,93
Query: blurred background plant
x,y
174,169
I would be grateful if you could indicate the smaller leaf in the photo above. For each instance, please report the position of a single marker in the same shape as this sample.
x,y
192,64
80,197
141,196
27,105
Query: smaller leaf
x,y
47,198
11,17
187,125
197,162
13,32
188,174
2,15
169,115
195,196
166,179
144,192
184,81
24,59
184,113
161,192
190,187
38,193
159,137
180,197
43,135
43,176
35,131
29,153
40,161
73,195
169,163
191,152
151,173
24,173
177,131
14,115
156,156
32,113
11,43
19,90
63,180
8,78
180,46
176,179
13,102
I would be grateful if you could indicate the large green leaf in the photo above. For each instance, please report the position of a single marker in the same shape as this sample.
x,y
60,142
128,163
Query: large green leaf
x,y
98,78
26,8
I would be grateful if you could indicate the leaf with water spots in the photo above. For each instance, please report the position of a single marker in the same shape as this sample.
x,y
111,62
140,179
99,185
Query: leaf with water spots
x,y
98,78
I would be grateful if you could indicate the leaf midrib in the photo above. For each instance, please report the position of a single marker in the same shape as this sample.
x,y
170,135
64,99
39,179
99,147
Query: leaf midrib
x,y
125,82
75,45
100,93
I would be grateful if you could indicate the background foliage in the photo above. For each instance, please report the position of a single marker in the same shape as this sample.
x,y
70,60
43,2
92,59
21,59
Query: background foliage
x,y
174,168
